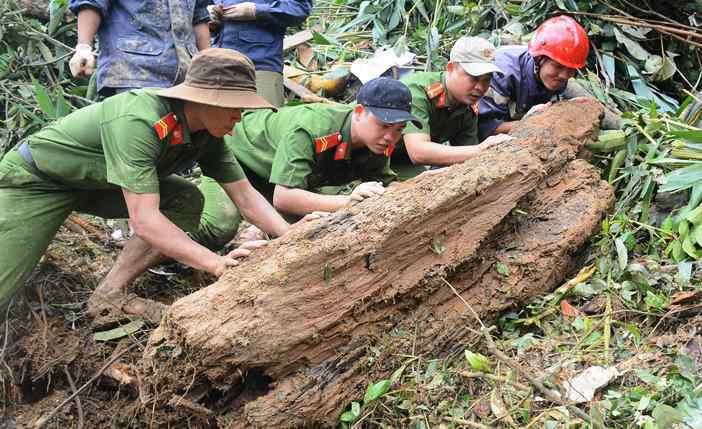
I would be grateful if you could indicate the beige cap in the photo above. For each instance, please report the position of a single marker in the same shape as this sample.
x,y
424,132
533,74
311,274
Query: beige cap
x,y
475,54
220,77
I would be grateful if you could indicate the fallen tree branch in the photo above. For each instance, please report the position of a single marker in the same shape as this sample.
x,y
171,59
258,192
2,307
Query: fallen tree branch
x,y
44,419
79,407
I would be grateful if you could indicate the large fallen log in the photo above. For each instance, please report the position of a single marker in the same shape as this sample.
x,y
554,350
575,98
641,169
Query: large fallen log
x,y
308,303
537,247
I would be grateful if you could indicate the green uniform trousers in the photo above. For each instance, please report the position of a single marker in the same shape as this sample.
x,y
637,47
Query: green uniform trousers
x,y
269,85
32,208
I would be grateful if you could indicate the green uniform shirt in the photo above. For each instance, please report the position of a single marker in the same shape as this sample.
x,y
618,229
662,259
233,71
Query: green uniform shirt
x,y
114,144
458,126
280,147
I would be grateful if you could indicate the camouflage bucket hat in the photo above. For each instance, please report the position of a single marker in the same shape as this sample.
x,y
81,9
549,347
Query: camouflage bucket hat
x,y
220,77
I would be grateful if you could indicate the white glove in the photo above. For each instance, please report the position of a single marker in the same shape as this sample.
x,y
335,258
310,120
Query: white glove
x,y
252,233
495,140
83,61
240,12
366,190
215,12
309,217
536,109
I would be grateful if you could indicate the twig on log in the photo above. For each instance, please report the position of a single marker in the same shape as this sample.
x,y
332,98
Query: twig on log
x,y
43,420
73,389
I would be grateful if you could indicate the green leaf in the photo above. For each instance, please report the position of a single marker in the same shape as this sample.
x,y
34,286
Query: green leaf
x,y
666,416
692,135
622,253
437,246
655,301
63,108
502,269
57,10
43,99
322,39
352,415
477,361
327,273
635,49
119,332
376,390
682,178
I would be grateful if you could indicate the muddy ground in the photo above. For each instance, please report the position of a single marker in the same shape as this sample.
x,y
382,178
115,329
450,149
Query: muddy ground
x,y
48,337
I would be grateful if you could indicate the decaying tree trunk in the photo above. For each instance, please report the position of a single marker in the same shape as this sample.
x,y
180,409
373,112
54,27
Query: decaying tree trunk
x,y
298,316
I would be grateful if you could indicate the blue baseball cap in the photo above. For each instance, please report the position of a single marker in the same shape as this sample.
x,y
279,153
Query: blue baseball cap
x,y
389,100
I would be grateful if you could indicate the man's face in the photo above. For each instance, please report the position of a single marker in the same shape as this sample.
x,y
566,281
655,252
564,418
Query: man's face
x,y
555,75
375,134
464,88
219,121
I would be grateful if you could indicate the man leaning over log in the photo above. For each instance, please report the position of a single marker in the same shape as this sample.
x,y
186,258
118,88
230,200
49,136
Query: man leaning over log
x,y
314,157
446,105
536,75
116,159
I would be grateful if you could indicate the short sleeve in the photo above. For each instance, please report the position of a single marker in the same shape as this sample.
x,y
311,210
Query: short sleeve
x,y
200,13
420,109
220,163
131,156
101,5
294,160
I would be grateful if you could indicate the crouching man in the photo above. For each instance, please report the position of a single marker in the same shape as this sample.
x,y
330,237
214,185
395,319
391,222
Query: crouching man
x,y
117,159
314,157
446,104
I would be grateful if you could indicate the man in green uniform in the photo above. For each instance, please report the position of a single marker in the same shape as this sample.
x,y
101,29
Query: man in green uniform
x,y
446,105
117,158
317,157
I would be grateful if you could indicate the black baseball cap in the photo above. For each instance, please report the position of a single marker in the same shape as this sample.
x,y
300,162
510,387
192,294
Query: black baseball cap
x,y
389,100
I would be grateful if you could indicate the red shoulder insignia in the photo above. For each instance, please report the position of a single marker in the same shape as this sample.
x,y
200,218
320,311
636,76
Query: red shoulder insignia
x,y
341,151
327,142
389,150
165,125
437,94
433,90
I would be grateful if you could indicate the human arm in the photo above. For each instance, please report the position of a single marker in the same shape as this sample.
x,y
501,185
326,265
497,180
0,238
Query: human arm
x,y
423,151
255,208
201,27
301,202
282,13
163,235
82,62
202,35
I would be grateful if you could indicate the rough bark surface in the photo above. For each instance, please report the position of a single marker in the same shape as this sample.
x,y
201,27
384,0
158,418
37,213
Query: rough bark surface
x,y
539,248
299,315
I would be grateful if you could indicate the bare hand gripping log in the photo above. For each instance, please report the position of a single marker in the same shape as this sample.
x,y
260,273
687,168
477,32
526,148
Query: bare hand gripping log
x,y
280,340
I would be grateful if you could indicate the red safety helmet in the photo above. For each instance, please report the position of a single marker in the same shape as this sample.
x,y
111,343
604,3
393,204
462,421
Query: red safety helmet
x,y
563,40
